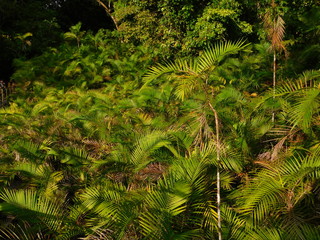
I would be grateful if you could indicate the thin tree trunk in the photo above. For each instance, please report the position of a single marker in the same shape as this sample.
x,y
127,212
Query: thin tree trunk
x,y
274,79
218,171
108,11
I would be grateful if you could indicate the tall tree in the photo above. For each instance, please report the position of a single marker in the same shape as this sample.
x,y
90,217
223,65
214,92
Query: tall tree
x,y
274,25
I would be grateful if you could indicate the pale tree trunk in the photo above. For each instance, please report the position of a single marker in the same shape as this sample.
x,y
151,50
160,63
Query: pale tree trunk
x,y
218,148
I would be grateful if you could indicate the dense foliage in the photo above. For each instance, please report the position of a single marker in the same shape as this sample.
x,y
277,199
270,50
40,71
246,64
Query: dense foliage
x,y
167,126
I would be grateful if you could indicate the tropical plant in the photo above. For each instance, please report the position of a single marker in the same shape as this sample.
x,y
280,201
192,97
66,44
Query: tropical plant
x,y
274,25
281,194
190,78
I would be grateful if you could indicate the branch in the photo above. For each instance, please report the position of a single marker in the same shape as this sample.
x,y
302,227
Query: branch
x,y
108,11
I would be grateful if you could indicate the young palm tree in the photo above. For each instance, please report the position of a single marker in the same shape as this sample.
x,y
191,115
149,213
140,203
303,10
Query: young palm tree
x,y
196,78
274,25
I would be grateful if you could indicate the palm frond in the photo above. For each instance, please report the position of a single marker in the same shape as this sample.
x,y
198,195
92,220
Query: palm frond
x,y
234,224
41,175
216,53
32,207
163,206
179,67
275,28
74,156
302,112
307,80
229,159
278,34
185,86
146,145
29,150
31,169
18,231
266,234
263,195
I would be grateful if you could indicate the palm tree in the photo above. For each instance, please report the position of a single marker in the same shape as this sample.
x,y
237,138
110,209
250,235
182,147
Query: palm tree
x,y
274,25
196,78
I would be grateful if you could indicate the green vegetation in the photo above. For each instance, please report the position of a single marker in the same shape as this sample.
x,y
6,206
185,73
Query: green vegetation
x,y
186,119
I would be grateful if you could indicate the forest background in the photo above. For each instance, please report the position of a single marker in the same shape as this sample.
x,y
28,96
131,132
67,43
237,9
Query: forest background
x,y
160,119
